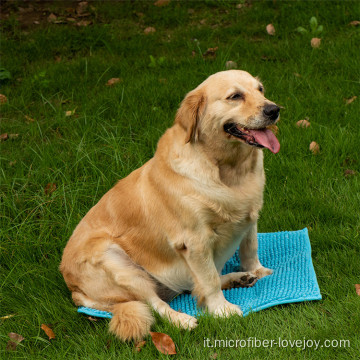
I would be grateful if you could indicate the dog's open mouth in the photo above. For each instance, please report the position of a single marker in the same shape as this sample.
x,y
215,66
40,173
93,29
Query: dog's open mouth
x,y
256,137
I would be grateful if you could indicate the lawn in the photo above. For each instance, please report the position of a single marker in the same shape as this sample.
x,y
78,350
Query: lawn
x,y
71,137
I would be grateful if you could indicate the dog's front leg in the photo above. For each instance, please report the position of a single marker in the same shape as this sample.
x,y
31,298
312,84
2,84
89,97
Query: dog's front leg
x,y
207,284
248,254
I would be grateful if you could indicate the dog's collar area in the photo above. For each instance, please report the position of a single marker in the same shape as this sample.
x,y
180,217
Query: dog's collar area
x,y
233,130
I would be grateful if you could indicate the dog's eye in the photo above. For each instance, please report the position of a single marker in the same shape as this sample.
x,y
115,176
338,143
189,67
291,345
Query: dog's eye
x,y
261,88
236,96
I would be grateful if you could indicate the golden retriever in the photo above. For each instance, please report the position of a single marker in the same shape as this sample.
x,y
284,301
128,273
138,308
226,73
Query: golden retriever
x,y
171,225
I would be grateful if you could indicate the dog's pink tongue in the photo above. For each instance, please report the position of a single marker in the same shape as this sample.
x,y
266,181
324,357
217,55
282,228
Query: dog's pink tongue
x,y
266,138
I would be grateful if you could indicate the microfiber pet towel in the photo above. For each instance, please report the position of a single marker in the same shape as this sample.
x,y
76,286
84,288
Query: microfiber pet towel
x,y
288,253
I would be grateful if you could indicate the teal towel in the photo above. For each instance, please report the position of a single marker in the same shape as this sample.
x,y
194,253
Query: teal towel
x,y
288,253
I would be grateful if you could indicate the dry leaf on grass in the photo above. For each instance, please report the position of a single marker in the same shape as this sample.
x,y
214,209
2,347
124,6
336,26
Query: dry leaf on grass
x,y
13,136
231,65
303,124
48,331
139,345
314,147
113,81
7,316
315,42
70,112
160,3
52,17
82,7
349,172
350,100
15,340
4,137
49,189
355,23
210,52
3,99
83,23
163,343
92,318
357,288
149,30
270,29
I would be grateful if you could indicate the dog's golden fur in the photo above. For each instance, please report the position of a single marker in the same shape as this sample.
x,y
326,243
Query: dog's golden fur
x,y
171,225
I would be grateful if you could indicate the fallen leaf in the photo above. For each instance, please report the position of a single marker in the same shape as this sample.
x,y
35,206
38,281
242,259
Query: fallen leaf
x,y
82,7
12,163
3,99
349,172
113,81
273,128
350,100
210,52
92,318
4,137
239,6
149,30
270,29
297,74
303,124
139,345
214,356
357,287
315,42
231,65
51,18
29,119
314,147
8,316
47,330
13,136
355,23
15,340
49,188
203,21
160,3
70,19
70,112
163,343
83,23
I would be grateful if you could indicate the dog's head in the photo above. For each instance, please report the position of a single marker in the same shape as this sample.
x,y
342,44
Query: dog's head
x,y
230,107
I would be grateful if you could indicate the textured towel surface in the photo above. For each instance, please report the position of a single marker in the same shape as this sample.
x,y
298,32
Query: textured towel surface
x,y
288,253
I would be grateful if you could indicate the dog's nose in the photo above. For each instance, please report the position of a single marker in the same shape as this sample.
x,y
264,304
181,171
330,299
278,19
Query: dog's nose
x,y
271,111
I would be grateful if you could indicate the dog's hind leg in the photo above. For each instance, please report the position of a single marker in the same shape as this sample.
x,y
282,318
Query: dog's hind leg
x,y
140,287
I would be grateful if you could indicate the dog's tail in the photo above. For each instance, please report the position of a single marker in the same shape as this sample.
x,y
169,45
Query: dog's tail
x,y
131,320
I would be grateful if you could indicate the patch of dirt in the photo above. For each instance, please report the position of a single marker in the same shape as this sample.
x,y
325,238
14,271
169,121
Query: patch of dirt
x,y
31,14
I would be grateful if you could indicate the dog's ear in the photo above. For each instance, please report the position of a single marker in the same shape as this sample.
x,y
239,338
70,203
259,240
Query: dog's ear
x,y
189,114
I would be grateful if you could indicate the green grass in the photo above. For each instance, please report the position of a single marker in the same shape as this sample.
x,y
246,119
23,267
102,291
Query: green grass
x,y
115,130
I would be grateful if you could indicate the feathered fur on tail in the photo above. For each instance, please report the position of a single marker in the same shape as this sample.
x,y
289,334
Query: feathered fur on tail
x,y
131,320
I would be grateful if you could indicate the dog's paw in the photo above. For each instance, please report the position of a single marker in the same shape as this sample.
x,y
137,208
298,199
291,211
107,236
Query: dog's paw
x,y
227,309
184,321
245,280
262,272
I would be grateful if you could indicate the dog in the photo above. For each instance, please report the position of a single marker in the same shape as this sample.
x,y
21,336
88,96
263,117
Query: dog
x,y
171,225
